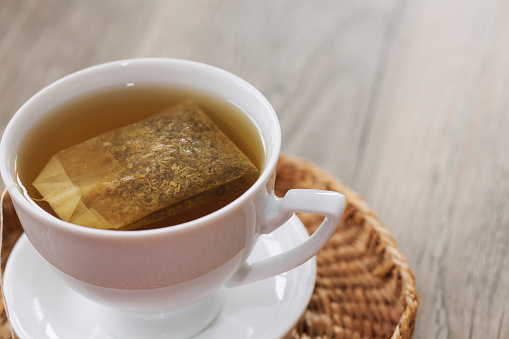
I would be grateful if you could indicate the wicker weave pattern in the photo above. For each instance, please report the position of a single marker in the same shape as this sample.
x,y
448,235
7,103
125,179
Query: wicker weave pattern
x,y
364,289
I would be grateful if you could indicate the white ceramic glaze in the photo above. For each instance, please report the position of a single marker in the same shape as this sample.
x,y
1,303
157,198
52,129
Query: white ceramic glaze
x,y
41,306
169,268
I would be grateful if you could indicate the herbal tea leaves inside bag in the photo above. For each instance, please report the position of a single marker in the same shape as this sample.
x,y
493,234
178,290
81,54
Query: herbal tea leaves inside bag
x,y
121,176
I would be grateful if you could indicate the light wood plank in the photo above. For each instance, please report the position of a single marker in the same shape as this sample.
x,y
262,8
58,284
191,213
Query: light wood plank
x,y
436,161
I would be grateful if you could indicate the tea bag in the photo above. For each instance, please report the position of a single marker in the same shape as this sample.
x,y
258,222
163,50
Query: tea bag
x,y
165,163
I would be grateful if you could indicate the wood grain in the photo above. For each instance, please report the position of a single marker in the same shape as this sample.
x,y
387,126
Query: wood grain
x,y
407,102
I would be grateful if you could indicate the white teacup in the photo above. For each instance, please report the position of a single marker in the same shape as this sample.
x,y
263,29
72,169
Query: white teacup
x,y
174,273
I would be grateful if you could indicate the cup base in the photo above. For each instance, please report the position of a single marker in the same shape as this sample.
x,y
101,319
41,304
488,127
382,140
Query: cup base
x,y
178,324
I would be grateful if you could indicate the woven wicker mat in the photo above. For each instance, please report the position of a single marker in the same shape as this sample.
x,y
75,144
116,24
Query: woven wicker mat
x,y
364,286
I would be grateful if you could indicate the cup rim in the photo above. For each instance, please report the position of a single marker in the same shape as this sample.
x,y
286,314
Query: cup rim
x,y
17,195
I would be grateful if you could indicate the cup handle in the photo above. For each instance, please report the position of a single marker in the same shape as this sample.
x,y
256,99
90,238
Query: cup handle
x,y
326,203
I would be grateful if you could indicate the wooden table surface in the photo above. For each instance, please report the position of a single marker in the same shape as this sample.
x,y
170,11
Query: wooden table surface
x,y
407,102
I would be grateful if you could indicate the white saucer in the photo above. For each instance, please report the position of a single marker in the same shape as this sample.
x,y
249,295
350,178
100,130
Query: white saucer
x,y
41,306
